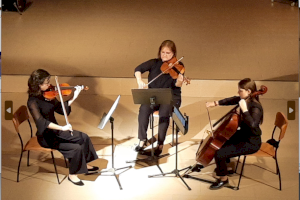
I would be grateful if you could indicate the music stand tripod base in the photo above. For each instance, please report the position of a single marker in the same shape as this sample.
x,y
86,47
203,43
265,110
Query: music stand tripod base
x,y
103,122
175,171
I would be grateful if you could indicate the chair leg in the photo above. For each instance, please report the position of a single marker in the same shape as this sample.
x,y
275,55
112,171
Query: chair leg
x,y
66,162
55,167
278,173
19,166
28,158
242,170
237,164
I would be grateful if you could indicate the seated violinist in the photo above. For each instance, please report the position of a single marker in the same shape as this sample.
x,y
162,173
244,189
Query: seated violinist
x,y
247,139
76,146
166,52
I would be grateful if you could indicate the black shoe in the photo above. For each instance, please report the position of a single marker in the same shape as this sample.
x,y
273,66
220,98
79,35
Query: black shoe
x,y
197,168
94,168
157,151
218,184
138,148
79,183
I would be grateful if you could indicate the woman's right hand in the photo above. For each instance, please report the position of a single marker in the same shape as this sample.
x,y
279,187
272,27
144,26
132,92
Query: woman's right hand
x,y
67,127
210,104
141,84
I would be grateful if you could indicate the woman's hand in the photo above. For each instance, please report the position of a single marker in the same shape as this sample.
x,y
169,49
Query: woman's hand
x,y
179,81
243,105
67,127
211,104
141,84
77,91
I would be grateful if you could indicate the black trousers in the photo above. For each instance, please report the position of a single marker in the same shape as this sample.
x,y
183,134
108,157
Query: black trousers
x,y
164,120
77,148
238,144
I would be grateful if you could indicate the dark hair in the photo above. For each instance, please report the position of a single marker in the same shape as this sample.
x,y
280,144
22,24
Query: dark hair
x,y
248,84
170,44
36,79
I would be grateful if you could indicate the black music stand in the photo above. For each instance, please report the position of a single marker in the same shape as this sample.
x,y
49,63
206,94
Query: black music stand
x,y
102,124
152,97
182,125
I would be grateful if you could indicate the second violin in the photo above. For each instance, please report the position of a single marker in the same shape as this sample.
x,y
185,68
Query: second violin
x,y
173,68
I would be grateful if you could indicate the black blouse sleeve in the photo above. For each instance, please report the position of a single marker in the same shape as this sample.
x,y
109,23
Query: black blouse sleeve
x,y
40,122
146,66
253,116
59,109
230,101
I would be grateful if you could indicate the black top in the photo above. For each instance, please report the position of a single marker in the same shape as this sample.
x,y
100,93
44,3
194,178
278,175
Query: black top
x,y
42,112
164,81
251,119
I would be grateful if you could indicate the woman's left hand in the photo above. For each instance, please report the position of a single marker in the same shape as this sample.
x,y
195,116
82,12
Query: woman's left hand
x,y
243,105
179,80
77,91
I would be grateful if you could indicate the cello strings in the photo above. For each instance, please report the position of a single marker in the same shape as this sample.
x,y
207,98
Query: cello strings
x,y
209,119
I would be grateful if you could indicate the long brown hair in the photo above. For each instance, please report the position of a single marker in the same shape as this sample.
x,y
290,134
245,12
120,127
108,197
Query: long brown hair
x,y
170,44
248,84
36,79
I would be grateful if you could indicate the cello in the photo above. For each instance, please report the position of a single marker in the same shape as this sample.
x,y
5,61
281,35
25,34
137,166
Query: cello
x,y
226,129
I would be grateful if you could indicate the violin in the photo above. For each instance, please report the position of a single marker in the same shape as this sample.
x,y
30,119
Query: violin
x,y
65,88
173,68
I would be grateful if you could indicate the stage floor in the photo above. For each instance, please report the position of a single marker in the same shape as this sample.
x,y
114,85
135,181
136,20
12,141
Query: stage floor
x,y
38,181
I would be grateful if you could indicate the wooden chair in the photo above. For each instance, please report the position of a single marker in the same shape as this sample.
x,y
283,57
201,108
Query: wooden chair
x,y
269,148
32,144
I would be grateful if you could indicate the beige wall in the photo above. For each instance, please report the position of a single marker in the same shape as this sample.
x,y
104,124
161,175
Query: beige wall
x,y
221,40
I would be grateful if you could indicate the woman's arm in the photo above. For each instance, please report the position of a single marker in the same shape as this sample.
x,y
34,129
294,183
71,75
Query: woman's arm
x,y
40,122
140,82
252,116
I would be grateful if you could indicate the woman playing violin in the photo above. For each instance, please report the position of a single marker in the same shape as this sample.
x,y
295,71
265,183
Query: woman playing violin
x,y
77,147
247,139
166,52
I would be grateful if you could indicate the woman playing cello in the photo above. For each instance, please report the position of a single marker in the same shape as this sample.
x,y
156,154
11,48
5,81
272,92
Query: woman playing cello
x,y
74,145
166,52
247,139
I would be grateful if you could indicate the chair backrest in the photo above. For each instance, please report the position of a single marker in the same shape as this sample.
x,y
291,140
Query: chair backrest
x,y
20,116
281,122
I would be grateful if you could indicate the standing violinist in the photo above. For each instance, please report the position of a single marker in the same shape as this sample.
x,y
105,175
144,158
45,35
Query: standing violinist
x,y
247,139
76,147
166,52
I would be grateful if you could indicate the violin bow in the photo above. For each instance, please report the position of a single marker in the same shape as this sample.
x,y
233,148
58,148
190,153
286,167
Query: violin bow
x,y
165,70
62,102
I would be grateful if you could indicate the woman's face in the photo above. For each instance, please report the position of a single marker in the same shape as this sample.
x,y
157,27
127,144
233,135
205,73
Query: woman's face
x,y
166,54
45,85
243,93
